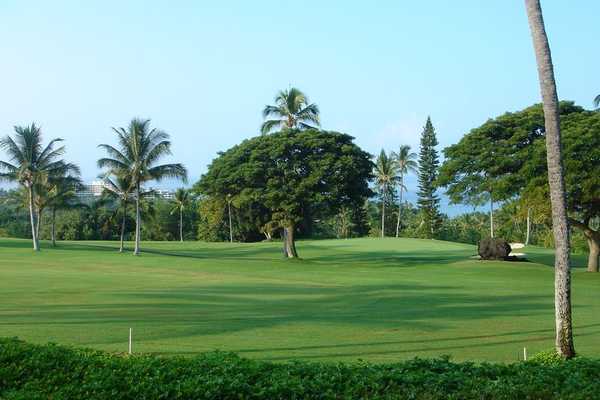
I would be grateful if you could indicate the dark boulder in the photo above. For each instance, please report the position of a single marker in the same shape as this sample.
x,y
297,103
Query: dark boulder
x,y
494,249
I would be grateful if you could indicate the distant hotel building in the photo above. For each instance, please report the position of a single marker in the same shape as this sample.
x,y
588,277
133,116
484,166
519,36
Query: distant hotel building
x,y
96,188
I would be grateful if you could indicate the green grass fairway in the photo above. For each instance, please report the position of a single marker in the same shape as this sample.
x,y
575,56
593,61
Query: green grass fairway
x,y
370,299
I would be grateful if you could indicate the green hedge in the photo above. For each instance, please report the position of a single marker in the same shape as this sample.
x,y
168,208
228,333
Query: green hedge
x,y
29,371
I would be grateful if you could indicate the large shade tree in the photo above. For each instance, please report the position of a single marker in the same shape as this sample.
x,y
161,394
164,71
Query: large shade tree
x,y
405,163
386,179
482,166
32,165
137,156
290,172
560,225
580,136
291,110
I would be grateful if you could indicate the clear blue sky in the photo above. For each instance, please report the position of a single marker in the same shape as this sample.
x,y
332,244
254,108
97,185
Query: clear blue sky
x,y
203,71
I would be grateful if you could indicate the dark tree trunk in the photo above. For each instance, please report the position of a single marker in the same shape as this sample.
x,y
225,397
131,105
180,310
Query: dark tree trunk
x,y
32,219
593,240
122,238
400,206
528,226
138,221
289,244
53,228
491,216
560,226
181,225
383,213
230,225
594,244
38,222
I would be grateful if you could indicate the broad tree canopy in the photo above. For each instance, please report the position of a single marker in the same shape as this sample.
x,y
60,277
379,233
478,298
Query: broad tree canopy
x,y
507,156
488,160
292,173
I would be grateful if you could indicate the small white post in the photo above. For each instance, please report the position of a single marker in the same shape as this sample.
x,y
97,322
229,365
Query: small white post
x,y
130,335
525,353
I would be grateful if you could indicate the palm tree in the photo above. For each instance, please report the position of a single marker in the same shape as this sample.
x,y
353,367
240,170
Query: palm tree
x,y
560,226
386,178
597,102
180,202
137,154
291,110
405,163
120,189
32,165
62,195
48,193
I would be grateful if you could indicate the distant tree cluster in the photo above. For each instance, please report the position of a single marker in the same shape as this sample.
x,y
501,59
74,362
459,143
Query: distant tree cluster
x,y
302,182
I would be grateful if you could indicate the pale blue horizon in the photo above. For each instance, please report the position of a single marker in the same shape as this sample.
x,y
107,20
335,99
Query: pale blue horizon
x,y
203,71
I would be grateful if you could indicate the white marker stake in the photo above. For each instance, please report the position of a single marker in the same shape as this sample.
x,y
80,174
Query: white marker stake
x,y
130,334
525,353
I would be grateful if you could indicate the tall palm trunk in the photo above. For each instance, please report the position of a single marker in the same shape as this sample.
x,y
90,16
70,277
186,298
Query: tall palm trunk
x,y
53,228
560,226
123,227
38,222
32,219
382,212
400,205
138,221
491,216
181,224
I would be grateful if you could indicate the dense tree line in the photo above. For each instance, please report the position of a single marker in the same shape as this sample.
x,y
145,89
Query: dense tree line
x,y
501,162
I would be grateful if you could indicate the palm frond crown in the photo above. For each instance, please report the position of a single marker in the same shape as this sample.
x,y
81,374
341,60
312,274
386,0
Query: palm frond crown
x,y
292,109
138,152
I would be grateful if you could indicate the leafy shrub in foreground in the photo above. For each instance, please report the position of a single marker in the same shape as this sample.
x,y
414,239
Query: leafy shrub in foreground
x,y
30,371
549,358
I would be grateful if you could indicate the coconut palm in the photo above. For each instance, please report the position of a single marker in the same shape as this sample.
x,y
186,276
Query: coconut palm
x,y
119,188
180,202
62,195
597,102
386,177
138,151
556,182
291,110
32,165
405,162
49,191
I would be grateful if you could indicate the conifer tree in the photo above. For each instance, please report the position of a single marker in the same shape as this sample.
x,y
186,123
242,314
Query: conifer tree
x,y
428,201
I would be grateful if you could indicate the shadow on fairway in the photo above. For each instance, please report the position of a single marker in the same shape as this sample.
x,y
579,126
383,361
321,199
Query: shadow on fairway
x,y
214,310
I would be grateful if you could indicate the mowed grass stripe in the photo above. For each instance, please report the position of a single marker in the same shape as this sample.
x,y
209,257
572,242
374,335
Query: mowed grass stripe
x,y
373,299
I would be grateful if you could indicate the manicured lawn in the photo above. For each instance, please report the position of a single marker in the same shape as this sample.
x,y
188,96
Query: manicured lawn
x,y
371,299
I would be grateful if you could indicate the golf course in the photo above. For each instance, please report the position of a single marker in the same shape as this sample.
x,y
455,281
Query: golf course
x,y
379,300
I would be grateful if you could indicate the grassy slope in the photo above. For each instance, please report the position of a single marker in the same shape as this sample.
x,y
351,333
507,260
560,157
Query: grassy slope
x,y
378,300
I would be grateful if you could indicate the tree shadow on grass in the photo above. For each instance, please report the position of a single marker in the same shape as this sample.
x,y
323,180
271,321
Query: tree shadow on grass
x,y
223,309
546,257
358,353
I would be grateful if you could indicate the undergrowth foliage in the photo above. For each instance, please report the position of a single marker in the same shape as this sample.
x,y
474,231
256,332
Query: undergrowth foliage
x,y
29,371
